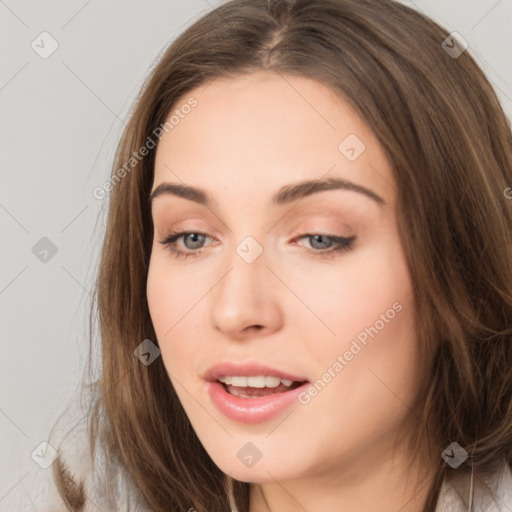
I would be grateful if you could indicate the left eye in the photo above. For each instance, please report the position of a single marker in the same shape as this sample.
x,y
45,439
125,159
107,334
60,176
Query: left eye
x,y
336,244
327,246
324,241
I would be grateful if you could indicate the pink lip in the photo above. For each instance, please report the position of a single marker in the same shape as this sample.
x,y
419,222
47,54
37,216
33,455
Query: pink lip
x,y
250,410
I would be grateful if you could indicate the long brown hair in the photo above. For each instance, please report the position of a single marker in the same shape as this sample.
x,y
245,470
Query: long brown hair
x,y
450,146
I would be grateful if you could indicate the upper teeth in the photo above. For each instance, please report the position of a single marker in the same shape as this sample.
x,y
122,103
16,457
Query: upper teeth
x,y
259,381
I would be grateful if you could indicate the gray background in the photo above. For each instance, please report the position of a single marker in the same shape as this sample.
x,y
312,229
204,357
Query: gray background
x,y
61,119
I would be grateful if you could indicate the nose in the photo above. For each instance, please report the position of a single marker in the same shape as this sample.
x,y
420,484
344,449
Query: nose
x,y
245,300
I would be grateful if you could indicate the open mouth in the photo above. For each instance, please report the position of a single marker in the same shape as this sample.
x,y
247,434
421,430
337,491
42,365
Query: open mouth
x,y
257,386
252,392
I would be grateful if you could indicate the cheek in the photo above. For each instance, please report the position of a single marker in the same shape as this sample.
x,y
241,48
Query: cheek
x,y
160,294
171,294
350,296
379,286
377,342
176,306
371,312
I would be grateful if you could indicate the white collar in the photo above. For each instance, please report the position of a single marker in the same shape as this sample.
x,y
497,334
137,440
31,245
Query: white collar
x,y
455,496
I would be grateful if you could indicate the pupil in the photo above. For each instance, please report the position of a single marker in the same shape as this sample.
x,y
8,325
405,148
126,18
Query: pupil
x,y
194,235
321,238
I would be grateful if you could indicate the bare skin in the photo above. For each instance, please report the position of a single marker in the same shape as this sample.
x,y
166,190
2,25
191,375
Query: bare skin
x,y
336,449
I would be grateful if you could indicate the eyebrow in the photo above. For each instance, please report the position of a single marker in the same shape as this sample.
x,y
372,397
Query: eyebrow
x,y
284,195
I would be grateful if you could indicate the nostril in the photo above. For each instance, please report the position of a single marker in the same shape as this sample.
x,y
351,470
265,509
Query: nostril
x,y
255,327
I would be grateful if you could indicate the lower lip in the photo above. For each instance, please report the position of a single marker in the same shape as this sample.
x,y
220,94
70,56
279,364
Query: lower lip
x,y
252,410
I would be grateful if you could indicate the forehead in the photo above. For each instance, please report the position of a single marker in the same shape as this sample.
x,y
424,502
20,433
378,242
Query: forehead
x,y
267,128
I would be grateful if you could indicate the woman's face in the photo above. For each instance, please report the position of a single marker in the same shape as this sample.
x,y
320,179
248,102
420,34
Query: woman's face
x,y
298,274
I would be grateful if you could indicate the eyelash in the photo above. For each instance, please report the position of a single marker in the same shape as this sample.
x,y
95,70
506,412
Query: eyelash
x,y
343,244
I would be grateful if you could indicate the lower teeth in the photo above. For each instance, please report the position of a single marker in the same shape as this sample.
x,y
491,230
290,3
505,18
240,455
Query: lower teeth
x,y
242,394
247,392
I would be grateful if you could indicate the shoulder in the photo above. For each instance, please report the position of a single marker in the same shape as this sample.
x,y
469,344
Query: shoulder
x,y
70,439
454,495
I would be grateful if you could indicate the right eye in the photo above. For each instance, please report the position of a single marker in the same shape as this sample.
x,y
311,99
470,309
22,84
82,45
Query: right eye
x,y
195,237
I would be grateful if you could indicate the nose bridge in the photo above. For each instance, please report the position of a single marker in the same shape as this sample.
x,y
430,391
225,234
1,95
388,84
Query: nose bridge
x,y
243,297
243,284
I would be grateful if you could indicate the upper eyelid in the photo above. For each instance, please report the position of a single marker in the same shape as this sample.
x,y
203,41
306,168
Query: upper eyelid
x,y
304,234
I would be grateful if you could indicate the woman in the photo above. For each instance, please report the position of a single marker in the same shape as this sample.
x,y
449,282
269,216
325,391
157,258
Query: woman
x,y
304,294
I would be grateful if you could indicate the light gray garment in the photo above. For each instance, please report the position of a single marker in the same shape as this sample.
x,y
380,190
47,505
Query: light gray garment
x,y
453,496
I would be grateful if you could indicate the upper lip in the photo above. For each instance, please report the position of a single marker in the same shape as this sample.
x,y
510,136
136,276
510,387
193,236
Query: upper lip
x,y
249,369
